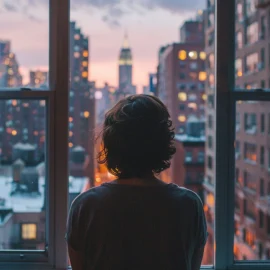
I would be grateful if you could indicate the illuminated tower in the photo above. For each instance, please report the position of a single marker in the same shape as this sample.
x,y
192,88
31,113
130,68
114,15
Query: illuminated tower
x,y
125,68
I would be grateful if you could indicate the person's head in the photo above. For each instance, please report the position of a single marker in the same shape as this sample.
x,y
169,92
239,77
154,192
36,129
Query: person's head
x,y
137,137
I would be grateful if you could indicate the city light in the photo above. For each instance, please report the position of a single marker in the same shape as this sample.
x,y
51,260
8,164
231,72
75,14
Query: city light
x,y
98,95
193,55
14,102
182,55
86,114
202,76
182,118
70,119
182,96
70,145
202,55
85,53
14,132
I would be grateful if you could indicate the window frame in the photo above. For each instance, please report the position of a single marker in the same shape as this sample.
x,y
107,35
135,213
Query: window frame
x,y
225,110
56,97
57,146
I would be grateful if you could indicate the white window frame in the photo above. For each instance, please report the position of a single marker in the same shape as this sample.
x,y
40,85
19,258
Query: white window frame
x,y
55,255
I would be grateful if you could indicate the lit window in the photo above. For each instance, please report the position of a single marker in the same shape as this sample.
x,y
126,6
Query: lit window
x,y
10,72
193,55
192,106
84,63
203,55
182,118
202,76
77,37
238,68
76,54
70,145
182,96
85,53
182,55
14,132
85,74
70,133
29,231
14,102
86,114
204,97
70,119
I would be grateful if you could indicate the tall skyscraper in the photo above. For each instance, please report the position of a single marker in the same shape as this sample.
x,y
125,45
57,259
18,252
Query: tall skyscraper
x,y
125,69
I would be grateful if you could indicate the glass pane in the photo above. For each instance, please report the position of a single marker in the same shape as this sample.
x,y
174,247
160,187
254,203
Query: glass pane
x,y
22,174
251,45
24,50
252,181
123,63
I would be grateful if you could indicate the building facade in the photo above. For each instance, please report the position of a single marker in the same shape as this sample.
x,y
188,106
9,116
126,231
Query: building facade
x,y
252,151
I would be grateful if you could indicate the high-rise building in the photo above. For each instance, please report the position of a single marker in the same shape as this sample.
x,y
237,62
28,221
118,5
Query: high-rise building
x,y
125,86
180,85
82,95
9,68
252,152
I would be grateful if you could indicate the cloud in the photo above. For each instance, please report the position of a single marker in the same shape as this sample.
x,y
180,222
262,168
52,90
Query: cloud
x,y
112,10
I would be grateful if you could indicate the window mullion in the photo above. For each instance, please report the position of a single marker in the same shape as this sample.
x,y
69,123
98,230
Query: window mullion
x,y
58,121
225,118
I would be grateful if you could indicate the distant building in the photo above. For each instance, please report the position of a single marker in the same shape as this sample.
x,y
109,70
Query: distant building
x,y
9,67
125,72
38,79
192,32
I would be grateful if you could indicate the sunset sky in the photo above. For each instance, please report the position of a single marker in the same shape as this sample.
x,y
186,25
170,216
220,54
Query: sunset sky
x,y
149,23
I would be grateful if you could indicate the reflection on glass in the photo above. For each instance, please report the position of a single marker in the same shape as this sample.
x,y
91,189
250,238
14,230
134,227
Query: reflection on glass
x,y
22,174
252,182
24,50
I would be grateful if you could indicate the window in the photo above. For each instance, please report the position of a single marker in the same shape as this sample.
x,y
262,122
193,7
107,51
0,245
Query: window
x,y
182,96
210,121
238,68
261,219
182,107
252,33
193,55
250,122
252,61
182,55
239,40
262,123
239,12
210,162
29,231
202,76
262,63
262,156
261,187
250,7
193,75
182,76
182,118
263,27
188,157
193,66
201,157
250,152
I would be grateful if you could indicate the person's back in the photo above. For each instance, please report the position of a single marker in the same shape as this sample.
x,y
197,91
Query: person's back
x,y
120,226
137,221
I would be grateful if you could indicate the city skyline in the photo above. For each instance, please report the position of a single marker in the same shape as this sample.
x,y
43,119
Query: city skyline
x,y
31,47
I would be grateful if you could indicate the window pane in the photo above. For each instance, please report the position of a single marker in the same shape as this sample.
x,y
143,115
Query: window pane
x,y
122,63
22,174
251,45
24,50
252,162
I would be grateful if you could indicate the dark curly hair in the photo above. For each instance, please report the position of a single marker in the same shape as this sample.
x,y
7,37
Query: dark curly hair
x,y
137,137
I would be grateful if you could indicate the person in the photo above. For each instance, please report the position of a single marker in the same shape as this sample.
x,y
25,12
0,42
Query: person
x,y
137,221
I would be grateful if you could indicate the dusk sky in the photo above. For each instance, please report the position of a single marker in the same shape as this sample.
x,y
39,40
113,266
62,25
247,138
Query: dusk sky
x,y
149,24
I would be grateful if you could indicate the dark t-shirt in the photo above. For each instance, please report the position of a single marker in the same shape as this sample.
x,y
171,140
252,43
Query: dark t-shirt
x,y
124,227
